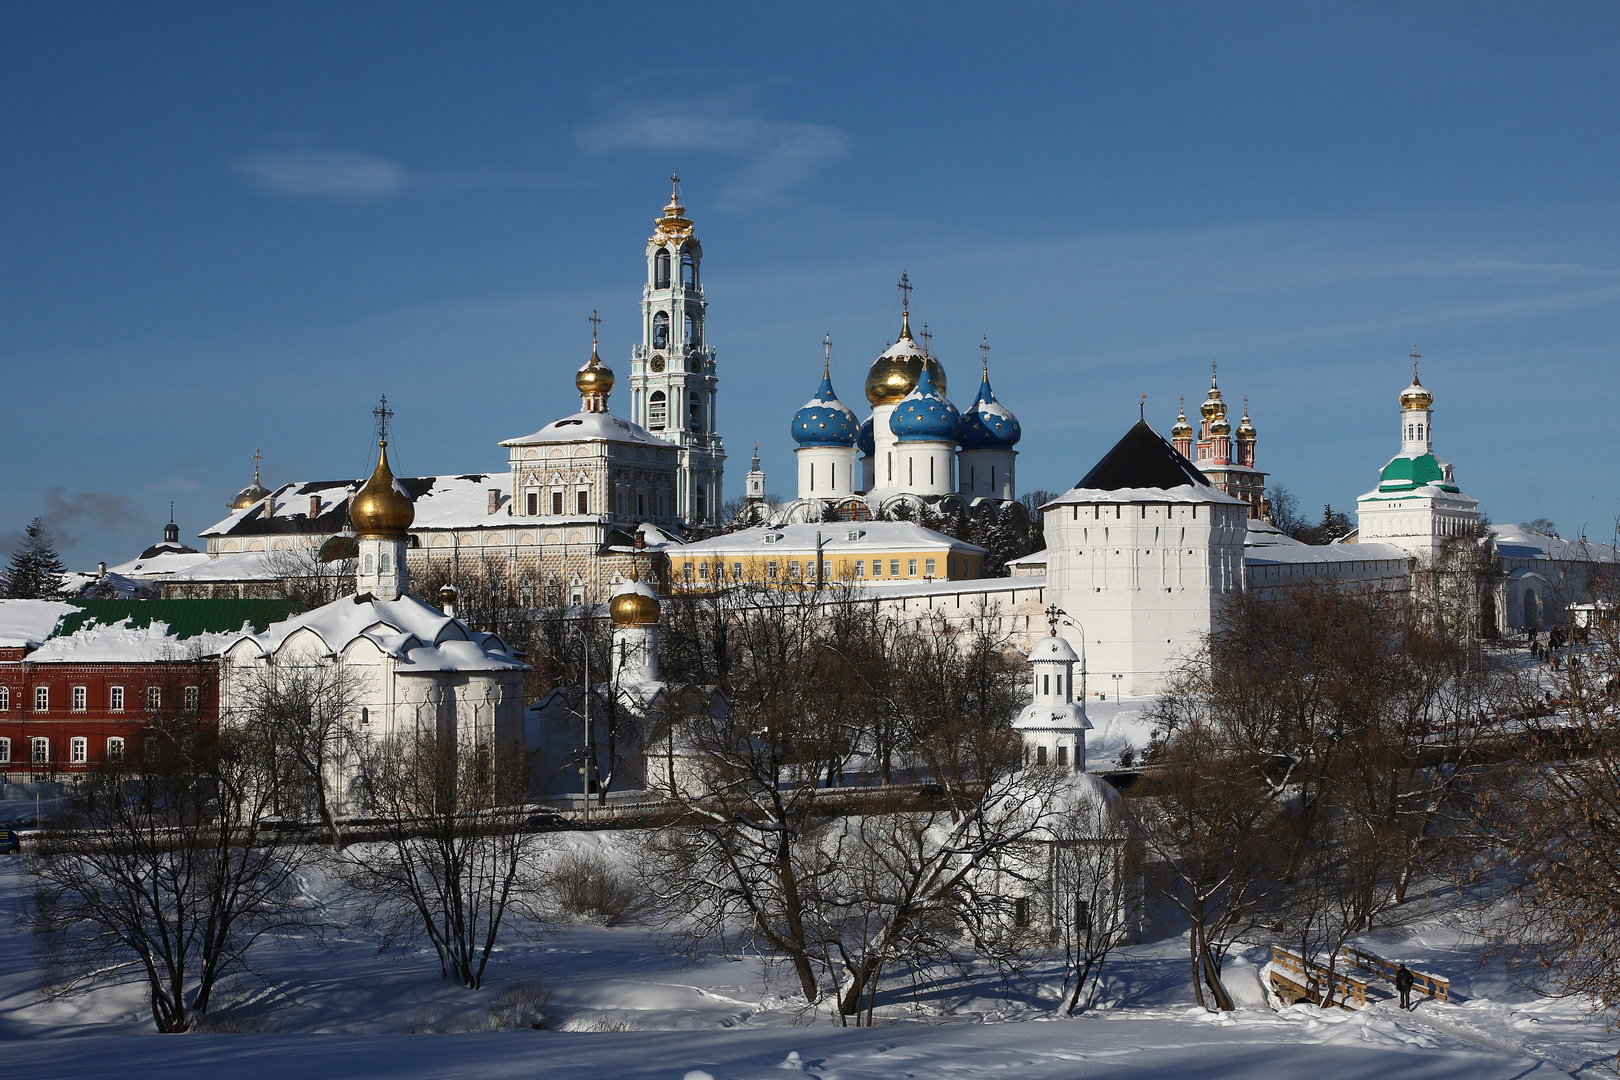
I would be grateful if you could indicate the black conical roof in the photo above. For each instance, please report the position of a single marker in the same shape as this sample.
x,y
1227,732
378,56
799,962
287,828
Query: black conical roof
x,y
1142,459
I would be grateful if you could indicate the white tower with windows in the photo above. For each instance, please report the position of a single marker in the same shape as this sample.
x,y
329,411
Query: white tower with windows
x,y
1054,724
672,371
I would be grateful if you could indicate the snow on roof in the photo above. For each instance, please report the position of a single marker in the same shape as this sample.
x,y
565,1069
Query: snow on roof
x,y
237,566
585,425
121,643
1069,717
836,536
164,562
421,638
26,623
1034,558
1053,647
1517,542
1186,493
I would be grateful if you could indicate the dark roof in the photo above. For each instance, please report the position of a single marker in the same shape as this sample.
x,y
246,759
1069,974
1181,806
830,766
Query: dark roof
x,y
166,548
185,618
1142,459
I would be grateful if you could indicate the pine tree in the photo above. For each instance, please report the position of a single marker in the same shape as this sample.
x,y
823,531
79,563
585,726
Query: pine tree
x,y
35,572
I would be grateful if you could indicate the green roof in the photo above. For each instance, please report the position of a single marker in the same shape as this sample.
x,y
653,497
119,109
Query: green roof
x,y
1409,473
185,618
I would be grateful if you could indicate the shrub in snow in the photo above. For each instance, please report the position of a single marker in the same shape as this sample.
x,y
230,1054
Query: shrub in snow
x,y
587,886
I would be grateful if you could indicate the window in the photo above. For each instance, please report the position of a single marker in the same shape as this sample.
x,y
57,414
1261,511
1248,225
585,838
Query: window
x,y
79,751
703,571
534,504
691,329
369,565
694,411
1021,911
736,571
149,747
688,269
860,567
5,750
877,567
582,501
770,571
42,751
793,570
5,699
929,567
115,699
661,330
1063,755
657,411
154,697
911,567
826,570
1040,755
81,698
556,504
42,698
1060,684
365,716
641,504
193,698
894,567
686,571
661,268
1046,684
115,749
384,564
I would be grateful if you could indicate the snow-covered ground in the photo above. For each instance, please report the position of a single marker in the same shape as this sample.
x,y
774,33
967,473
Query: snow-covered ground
x,y
623,1008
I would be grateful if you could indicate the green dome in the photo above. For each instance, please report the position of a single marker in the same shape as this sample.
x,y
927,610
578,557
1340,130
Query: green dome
x,y
1409,473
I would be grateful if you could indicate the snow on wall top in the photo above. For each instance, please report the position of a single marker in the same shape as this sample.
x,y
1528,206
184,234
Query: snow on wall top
x,y
421,638
26,623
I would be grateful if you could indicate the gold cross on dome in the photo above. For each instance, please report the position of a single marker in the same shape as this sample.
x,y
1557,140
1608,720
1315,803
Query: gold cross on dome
x,y
1415,359
984,351
927,337
595,322
383,414
257,457
826,351
905,292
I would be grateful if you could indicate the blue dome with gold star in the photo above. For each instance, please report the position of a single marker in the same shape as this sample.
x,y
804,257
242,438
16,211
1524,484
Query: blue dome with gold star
x,y
987,424
925,415
824,420
866,442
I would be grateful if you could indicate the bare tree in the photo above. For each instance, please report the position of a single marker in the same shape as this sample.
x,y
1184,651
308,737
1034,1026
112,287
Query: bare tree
x,y
454,864
307,579
1097,905
159,867
307,716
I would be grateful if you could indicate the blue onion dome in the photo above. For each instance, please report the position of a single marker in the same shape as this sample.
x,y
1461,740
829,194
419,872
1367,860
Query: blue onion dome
x,y
987,424
824,420
925,415
865,441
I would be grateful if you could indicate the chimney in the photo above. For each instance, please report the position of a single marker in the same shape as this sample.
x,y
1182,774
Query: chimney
x,y
314,507
270,506
494,500
641,539
447,599
101,569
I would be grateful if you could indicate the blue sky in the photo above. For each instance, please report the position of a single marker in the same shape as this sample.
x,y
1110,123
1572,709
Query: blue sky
x,y
229,226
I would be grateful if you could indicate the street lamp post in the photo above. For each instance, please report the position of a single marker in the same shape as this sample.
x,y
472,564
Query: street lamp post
x,y
1054,615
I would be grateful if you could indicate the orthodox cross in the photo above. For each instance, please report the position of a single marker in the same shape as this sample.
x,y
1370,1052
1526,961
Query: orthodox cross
x,y
595,322
984,351
927,337
1212,373
383,414
905,292
674,188
826,364
257,457
1053,614
1415,358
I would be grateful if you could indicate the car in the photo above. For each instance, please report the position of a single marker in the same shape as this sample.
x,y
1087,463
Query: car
x,y
930,791
548,823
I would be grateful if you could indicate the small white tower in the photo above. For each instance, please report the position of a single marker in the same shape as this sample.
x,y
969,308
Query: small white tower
x,y
635,610
380,514
1054,724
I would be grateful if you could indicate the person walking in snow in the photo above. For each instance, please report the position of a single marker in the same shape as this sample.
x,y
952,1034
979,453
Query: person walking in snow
x,y
1403,983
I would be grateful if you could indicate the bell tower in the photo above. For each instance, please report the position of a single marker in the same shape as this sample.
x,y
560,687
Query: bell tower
x,y
672,371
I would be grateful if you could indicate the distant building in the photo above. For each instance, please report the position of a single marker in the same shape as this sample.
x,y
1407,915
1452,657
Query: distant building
x,y
844,553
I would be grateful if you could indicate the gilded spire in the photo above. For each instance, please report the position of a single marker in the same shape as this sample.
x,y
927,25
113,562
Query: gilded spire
x,y
595,380
379,508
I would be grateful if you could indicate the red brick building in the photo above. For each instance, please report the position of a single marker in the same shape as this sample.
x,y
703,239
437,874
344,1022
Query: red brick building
x,y
108,674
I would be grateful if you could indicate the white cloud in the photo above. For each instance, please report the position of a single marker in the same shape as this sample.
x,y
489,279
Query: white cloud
x,y
774,154
339,173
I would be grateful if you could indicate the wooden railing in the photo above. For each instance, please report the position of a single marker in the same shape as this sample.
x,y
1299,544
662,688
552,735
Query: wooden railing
x,y
1432,985
1347,992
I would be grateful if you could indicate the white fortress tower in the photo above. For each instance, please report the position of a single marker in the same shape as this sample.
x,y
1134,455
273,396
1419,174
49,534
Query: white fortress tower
x,y
1417,505
1139,554
672,372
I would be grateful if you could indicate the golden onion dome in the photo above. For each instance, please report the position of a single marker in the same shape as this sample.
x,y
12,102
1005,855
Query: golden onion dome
x,y
1415,396
380,508
1220,427
634,604
595,377
1245,429
894,374
249,495
1182,429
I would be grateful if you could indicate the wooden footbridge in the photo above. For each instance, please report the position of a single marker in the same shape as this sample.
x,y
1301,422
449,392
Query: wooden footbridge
x,y
1295,978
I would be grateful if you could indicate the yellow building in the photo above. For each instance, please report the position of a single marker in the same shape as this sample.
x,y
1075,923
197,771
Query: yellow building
x,y
866,552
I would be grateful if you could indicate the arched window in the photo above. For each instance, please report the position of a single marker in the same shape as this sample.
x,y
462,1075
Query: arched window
x,y
691,329
688,269
1420,431
657,411
694,412
661,330
661,269
1408,431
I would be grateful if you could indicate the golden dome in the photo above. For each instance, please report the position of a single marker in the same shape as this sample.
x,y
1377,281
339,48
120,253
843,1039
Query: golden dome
x,y
253,492
379,508
894,374
595,377
1182,429
634,605
1415,396
1245,428
1213,407
1219,427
